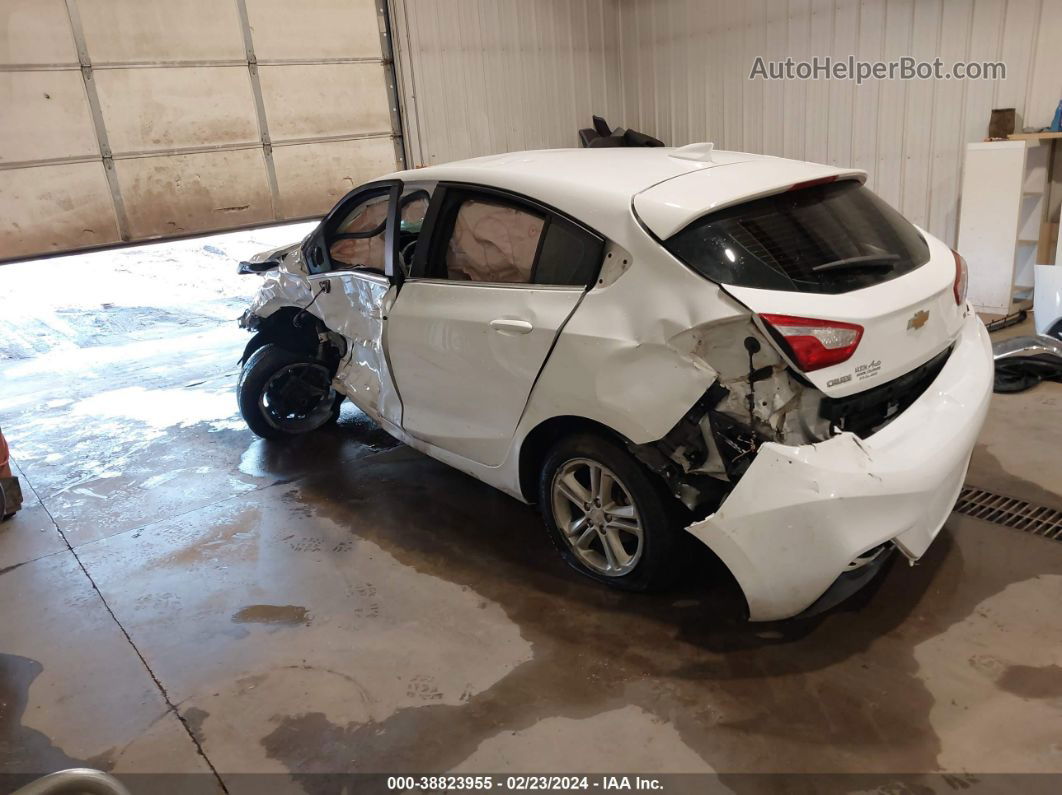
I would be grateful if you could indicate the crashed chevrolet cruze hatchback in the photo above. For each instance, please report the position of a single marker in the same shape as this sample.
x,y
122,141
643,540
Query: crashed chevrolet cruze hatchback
x,y
647,343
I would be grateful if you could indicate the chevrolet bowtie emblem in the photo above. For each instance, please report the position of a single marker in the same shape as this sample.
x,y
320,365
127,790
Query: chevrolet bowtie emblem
x,y
919,319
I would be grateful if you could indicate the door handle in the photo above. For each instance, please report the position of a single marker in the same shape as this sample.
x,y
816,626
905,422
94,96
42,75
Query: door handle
x,y
507,326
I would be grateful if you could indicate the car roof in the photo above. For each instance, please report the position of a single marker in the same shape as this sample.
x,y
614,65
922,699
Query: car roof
x,y
599,186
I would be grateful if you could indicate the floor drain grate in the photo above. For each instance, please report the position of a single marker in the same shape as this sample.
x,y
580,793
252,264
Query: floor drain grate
x,y
1010,512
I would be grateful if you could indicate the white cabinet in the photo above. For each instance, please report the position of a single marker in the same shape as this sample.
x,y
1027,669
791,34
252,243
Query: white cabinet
x,y
1005,226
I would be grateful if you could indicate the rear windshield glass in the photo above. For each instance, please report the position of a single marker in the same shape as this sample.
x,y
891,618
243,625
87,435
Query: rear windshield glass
x,y
828,238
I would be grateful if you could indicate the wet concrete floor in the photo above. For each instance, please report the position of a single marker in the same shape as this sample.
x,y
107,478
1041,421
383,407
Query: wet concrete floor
x,y
179,596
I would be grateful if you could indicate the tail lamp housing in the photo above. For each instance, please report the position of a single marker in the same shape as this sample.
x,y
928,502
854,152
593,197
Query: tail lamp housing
x,y
813,344
962,278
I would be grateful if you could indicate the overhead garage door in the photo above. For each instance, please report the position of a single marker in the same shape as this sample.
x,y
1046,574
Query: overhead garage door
x,y
126,120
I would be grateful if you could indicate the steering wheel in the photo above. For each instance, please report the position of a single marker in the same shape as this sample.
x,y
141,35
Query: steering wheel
x,y
406,253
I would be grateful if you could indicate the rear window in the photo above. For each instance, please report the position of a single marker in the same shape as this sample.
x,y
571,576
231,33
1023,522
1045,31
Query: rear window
x,y
569,255
828,238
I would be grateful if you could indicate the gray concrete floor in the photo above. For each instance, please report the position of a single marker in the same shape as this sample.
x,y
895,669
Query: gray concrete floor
x,y
180,596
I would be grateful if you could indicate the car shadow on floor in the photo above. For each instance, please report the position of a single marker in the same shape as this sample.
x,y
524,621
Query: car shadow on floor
x,y
459,529
687,656
354,436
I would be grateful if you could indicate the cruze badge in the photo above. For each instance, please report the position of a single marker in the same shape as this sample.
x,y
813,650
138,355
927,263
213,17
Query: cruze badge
x,y
919,319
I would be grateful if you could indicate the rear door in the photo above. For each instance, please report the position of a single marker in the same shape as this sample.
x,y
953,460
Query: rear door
x,y
473,324
833,253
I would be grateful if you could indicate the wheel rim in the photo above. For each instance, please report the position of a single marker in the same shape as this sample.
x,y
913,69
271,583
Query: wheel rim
x,y
597,517
298,397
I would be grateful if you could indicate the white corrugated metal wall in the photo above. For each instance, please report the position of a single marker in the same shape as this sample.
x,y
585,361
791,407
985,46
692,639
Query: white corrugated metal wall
x,y
484,77
685,66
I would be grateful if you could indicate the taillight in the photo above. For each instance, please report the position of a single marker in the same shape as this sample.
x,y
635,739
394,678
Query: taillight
x,y
962,278
814,344
811,183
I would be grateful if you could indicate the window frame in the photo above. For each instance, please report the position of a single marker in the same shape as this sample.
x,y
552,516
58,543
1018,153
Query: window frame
x,y
316,247
412,188
439,227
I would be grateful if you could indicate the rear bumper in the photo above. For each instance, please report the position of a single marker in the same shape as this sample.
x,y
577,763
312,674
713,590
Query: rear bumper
x,y
800,515
849,583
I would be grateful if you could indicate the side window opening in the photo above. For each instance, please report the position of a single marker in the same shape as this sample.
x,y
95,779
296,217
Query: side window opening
x,y
359,240
413,207
569,255
483,237
492,241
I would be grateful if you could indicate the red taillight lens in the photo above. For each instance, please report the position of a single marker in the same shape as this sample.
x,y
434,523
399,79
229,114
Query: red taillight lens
x,y
962,278
811,183
815,344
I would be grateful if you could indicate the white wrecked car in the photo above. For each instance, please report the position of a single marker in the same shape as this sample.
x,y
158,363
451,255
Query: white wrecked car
x,y
646,342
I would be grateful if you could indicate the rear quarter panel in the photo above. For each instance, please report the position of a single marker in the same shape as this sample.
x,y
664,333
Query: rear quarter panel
x,y
617,361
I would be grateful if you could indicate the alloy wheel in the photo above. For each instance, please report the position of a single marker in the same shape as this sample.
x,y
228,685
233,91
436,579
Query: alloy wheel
x,y
597,517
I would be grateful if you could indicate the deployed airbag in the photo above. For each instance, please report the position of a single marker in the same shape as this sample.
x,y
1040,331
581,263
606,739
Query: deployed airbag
x,y
493,243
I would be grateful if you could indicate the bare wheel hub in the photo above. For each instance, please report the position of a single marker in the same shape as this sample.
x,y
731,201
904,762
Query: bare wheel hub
x,y
298,397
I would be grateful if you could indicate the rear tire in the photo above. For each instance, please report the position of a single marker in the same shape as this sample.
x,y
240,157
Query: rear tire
x,y
281,393
616,526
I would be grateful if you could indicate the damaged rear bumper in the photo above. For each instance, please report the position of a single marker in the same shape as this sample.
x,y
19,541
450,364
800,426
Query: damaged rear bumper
x,y
800,515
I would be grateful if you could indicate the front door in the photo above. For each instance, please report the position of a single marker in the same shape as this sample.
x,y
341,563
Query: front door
x,y
473,324
351,260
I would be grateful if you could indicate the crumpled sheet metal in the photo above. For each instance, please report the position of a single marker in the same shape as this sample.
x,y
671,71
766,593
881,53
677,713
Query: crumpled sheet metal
x,y
280,288
362,375
801,513
635,372
354,309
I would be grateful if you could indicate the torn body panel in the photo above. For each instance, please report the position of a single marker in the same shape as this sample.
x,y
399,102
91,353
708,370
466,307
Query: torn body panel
x,y
618,367
655,376
802,514
754,398
350,304
761,389
354,306
280,288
